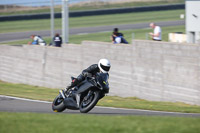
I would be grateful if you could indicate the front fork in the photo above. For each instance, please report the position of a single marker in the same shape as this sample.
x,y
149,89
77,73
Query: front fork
x,y
78,100
62,94
77,96
88,95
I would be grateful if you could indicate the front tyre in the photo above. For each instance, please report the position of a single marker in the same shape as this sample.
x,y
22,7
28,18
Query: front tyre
x,y
58,105
89,101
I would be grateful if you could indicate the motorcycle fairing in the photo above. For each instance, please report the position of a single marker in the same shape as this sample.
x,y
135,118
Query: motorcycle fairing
x,y
84,87
70,103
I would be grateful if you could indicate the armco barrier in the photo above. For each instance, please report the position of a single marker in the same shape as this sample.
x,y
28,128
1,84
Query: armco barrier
x,y
159,71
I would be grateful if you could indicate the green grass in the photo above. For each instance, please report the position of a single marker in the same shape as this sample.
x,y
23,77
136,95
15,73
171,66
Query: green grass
x,y
28,91
105,36
91,6
42,93
136,103
105,5
26,10
139,34
91,21
69,123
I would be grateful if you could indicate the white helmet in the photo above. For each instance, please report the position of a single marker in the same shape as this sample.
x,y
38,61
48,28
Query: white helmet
x,y
104,65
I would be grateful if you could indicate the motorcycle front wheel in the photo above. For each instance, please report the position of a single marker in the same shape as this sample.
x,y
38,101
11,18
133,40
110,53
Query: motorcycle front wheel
x,y
58,105
89,101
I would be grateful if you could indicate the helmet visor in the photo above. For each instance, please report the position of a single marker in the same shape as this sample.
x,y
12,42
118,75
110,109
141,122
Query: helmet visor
x,y
105,68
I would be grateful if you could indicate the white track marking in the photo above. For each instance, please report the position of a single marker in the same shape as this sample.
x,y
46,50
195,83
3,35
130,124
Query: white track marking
x,y
141,110
25,99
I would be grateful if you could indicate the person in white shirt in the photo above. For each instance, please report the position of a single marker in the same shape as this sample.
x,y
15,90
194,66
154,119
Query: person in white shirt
x,y
37,40
157,34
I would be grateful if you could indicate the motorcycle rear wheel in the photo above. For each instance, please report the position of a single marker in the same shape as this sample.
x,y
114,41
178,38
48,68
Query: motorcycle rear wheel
x,y
88,103
58,105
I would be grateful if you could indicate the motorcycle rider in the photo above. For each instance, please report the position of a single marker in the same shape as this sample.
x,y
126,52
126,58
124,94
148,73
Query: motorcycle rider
x,y
102,66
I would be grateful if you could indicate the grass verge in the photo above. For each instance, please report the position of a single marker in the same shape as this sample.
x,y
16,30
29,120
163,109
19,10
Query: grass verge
x,y
16,10
105,36
51,123
42,93
92,21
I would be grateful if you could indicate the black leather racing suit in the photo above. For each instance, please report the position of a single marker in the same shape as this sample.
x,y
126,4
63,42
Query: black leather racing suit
x,y
91,70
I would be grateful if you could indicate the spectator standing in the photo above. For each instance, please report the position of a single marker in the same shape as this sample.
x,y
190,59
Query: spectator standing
x,y
157,34
37,40
117,37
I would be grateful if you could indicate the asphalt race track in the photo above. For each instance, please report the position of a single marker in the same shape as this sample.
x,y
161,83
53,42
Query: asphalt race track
x,y
14,104
5,37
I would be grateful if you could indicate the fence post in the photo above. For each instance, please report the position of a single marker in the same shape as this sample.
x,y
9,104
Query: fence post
x,y
52,18
133,36
147,36
65,21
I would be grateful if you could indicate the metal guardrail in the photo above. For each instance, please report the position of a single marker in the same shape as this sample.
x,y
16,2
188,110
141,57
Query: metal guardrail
x,y
94,12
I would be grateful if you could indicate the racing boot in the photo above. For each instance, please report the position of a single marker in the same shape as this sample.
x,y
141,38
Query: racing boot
x,y
73,84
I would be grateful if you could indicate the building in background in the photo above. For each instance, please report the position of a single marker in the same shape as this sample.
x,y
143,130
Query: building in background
x,y
193,21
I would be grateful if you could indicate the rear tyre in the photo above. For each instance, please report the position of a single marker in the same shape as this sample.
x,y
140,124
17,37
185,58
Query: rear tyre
x,y
58,105
89,102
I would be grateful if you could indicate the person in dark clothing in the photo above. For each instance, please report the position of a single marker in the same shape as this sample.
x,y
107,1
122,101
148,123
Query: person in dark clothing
x,y
118,37
56,41
115,34
102,66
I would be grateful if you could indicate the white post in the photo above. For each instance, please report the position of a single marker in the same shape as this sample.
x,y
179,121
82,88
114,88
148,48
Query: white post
x,y
65,21
52,18
147,36
133,36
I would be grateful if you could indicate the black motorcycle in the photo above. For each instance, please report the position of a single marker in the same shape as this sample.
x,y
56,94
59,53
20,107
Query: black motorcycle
x,y
84,96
